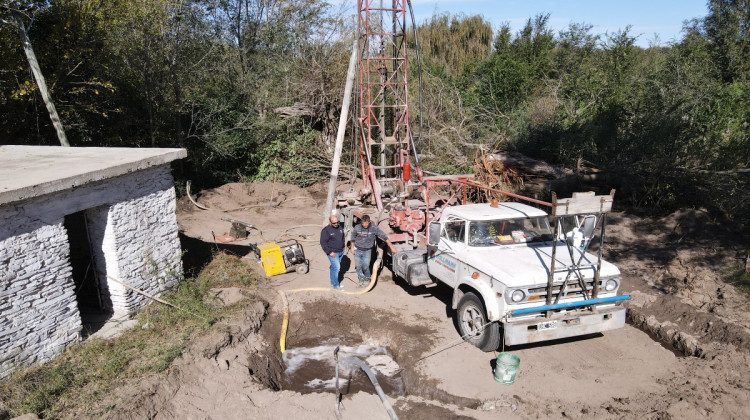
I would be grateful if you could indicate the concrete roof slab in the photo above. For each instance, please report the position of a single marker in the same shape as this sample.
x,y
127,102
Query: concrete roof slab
x,y
33,171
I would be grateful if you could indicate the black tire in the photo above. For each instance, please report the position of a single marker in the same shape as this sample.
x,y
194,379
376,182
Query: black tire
x,y
470,318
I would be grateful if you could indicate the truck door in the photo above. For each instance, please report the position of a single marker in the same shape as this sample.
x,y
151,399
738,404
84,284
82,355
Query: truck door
x,y
445,264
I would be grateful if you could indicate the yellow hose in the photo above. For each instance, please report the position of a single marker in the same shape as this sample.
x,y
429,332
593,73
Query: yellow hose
x,y
285,322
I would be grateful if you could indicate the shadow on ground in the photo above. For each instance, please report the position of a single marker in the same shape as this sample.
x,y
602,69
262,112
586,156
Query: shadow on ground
x,y
196,253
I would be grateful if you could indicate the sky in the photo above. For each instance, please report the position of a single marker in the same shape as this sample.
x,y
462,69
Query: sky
x,y
647,17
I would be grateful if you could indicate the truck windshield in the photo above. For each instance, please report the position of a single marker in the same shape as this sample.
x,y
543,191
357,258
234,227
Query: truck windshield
x,y
509,231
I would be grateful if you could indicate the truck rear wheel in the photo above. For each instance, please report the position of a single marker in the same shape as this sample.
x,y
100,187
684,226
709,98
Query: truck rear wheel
x,y
471,320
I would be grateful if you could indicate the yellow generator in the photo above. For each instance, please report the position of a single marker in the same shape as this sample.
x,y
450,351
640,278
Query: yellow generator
x,y
283,257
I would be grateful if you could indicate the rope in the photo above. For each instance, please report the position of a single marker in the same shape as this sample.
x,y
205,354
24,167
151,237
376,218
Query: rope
x,y
454,343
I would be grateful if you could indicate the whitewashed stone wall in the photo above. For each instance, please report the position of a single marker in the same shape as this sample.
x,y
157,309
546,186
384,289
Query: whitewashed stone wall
x,y
144,240
38,312
133,232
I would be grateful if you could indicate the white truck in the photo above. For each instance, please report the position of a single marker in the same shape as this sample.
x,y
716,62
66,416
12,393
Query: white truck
x,y
511,273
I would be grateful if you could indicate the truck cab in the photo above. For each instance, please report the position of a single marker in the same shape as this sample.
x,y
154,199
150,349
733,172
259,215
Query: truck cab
x,y
512,273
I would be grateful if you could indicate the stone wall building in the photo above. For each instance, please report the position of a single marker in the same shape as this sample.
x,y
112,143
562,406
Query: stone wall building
x,y
76,226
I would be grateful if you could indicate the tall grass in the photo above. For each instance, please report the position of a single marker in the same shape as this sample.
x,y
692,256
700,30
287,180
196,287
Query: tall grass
x,y
75,383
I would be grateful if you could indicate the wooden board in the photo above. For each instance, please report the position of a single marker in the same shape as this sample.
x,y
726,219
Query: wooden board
x,y
583,203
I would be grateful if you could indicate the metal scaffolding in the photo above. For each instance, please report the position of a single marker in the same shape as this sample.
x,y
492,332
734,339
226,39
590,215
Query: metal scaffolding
x,y
383,96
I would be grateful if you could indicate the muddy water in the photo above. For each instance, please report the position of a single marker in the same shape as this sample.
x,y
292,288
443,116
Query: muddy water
x,y
313,369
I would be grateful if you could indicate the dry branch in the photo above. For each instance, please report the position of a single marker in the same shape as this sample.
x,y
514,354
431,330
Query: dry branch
x,y
514,172
494,173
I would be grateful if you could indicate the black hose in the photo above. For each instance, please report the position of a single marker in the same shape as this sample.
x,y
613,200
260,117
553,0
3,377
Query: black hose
x,y
378,389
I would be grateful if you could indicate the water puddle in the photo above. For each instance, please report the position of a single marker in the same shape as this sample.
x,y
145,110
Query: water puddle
x,y
313,369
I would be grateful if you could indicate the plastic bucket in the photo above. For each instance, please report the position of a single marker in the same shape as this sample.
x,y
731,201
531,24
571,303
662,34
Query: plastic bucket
x,y
506,368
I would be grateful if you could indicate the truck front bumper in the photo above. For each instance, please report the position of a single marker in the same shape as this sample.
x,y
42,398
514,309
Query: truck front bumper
x,y
570,324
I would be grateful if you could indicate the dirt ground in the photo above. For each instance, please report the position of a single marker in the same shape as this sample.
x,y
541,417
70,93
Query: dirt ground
x,y
684,353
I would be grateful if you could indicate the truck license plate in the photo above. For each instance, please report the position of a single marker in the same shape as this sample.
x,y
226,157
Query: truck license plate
x,y
547,325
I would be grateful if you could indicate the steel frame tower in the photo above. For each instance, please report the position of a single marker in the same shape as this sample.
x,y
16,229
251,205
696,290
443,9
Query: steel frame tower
x,y
383,97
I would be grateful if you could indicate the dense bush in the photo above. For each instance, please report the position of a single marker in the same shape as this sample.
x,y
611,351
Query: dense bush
x,y
209,75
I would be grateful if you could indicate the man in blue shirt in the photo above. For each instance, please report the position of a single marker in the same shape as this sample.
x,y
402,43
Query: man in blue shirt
x,y
363,242
332,242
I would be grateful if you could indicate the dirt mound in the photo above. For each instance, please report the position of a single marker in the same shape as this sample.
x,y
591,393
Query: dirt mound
x,y
675,267
218,356
273,209
239,196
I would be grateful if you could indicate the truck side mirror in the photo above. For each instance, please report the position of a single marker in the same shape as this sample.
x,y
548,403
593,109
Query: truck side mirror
x,y
434,234
589,223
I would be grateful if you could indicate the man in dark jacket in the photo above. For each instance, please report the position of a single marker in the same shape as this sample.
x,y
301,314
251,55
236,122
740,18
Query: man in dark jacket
x,y
363,242
332,242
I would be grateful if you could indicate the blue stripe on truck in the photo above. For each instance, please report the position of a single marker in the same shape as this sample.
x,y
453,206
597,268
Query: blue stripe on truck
x,y
569,305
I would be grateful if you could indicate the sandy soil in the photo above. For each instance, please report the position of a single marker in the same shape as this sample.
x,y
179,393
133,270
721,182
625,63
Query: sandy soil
x,y
684,354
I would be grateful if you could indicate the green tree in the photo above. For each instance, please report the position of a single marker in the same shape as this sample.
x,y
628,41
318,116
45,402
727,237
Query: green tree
x,y
451,42
727,27
509,76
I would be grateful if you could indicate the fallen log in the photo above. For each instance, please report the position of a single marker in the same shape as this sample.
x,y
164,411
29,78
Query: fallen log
x,y
529,168
299,109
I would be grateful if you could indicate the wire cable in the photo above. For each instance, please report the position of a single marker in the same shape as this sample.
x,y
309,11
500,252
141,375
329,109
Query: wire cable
x,y
419,72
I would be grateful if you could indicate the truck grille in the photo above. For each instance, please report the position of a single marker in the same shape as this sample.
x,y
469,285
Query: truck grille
x,y
572,289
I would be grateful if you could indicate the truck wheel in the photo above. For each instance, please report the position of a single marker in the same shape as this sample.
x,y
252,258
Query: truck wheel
x,y
471,319
303,268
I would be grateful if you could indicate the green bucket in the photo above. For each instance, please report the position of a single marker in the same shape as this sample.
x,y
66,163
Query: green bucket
x,y
506,368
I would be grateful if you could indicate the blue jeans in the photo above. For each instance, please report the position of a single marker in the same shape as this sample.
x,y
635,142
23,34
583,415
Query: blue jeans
x,y
362,261
335,267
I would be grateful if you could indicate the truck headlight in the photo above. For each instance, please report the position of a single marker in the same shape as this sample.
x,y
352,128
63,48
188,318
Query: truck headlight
x,y
517,296
610,285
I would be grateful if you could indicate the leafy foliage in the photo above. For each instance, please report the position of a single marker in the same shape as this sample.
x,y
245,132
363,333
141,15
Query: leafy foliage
x,y
207,75
671,121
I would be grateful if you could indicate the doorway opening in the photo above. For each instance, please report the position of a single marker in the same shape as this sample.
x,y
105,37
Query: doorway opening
x,y
91,299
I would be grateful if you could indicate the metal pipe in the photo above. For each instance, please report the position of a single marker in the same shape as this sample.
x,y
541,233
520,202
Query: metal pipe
x,y
337,406
509,194
599,259
551,278
340,133
414,149
378,389
588,302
